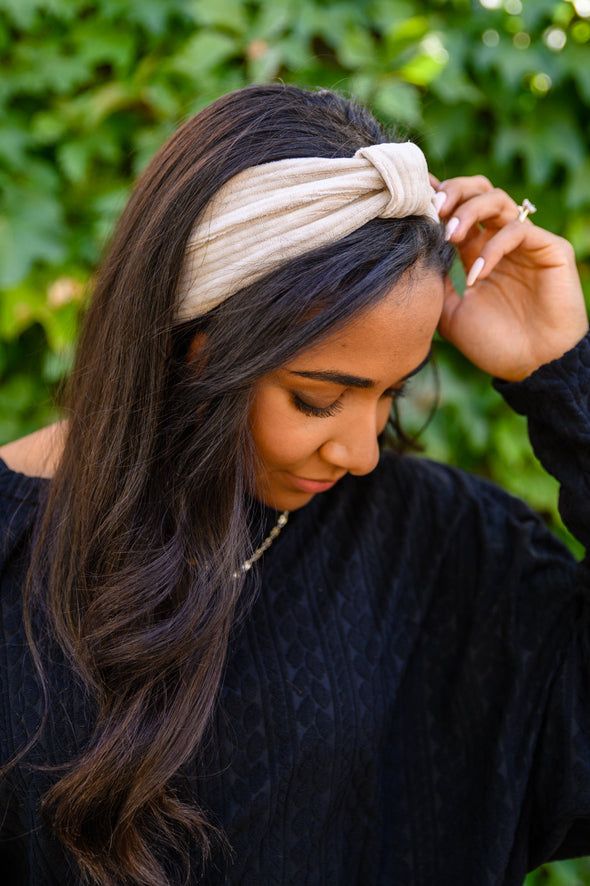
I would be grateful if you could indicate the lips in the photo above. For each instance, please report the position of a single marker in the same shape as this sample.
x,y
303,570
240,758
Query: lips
x,y
312,486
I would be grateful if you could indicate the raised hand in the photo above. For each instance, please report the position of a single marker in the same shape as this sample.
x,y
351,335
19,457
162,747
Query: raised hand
x,y
523,305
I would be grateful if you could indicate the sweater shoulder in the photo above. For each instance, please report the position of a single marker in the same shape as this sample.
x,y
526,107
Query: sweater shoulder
x,y
424,511
433,488
19,502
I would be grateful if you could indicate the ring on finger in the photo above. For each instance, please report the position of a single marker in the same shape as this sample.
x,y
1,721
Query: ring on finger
x,y
526,208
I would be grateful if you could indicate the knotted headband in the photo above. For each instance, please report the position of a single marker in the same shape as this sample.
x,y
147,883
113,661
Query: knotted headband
x,y
269,214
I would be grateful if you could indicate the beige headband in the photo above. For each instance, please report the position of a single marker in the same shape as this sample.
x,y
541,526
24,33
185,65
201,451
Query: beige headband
x,y
271,213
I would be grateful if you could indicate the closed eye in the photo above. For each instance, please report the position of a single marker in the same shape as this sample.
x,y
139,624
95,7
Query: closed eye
x,y
316,411
336,406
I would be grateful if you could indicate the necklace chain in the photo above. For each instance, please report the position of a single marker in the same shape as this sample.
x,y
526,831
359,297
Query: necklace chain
x,y
276,530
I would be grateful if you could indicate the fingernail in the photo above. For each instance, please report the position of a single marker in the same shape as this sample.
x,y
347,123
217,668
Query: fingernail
x,y
475,271
438,200
452,225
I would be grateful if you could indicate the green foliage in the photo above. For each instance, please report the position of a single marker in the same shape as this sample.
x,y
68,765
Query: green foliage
x,y
561,873
90,88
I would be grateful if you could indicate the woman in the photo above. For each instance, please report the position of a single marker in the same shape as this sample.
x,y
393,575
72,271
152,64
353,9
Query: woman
x,y
391,686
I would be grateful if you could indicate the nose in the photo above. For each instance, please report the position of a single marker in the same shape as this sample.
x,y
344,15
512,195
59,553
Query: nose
x,y
355,448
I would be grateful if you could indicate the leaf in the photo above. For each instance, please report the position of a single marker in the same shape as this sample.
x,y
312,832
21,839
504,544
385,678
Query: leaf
x,y
513,65
15,141
535,14
295,52
106,209
48,126
146,143
95,106
227,14
405,34
18,307
452,86
103,43
577,193
60,326
154,15
203,52
74,159
57,365
265,64
356,48
578,233
448,128
385,12
421,71
31,231
273,19
582,72
399,102
543,146
455,83
47,65
362,86
22,13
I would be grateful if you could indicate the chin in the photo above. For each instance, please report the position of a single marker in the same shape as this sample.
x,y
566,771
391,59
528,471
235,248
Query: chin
x,y
285,501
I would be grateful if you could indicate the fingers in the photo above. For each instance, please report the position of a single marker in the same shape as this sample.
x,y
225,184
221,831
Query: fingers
x,y
457,190
493,209
467,202
515,235
481,220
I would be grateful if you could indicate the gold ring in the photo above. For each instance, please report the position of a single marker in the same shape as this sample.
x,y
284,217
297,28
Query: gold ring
x,y
525,208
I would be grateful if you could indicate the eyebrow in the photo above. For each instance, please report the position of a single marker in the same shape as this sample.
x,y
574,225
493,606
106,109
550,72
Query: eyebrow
x,y
352,381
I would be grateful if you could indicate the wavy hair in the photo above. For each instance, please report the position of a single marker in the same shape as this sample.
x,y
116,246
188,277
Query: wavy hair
x,y
147,516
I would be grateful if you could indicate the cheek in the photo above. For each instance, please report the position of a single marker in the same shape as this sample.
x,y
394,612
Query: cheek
x,y
280,435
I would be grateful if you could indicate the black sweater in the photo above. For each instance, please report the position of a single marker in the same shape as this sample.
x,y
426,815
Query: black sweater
x,y
408,702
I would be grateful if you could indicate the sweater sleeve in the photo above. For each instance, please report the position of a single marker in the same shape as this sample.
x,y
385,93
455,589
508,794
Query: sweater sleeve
x,y
556,402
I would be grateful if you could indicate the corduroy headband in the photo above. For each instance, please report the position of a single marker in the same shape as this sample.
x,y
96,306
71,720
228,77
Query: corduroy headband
x,y
269,214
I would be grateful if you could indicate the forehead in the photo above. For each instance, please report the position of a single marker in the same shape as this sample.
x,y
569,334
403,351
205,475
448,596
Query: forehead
x,y
389,339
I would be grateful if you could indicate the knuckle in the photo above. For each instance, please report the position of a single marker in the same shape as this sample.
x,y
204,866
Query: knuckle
x,y
501,195
562,242
567,248
484,183
490,250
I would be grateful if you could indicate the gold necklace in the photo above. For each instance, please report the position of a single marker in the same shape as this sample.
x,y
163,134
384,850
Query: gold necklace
x,y
276,530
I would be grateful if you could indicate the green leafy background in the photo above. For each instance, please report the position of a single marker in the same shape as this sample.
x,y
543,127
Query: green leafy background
x,y
89,90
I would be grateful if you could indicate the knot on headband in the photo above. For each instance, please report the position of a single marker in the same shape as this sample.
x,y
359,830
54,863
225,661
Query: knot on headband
x,y
269,214
403,171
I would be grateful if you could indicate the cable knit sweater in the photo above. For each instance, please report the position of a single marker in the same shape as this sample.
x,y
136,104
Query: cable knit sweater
x,y
408,702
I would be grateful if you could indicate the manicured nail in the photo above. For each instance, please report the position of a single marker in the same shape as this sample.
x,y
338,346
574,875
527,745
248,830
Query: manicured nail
x,y
438,200
452,225
475,271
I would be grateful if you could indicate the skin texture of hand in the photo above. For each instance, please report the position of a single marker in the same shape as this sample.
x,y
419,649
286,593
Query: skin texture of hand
x,y
525,307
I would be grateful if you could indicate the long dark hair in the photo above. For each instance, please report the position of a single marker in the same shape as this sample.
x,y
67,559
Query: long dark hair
x,y
147,516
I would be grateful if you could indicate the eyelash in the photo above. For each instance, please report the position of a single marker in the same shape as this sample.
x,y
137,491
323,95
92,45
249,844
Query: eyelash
x,y
336,406
317,411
